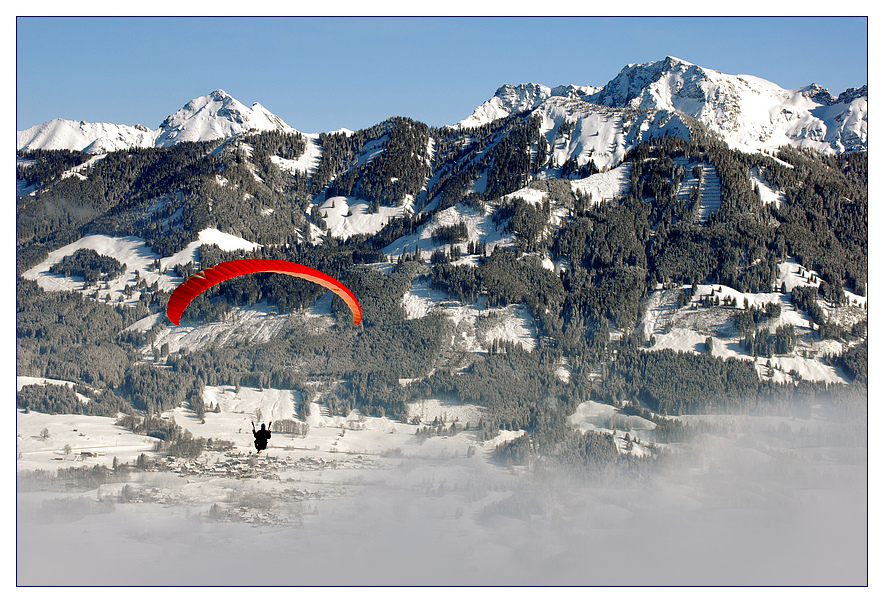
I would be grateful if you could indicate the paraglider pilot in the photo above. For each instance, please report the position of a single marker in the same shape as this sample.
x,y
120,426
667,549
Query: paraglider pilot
x,y
261,436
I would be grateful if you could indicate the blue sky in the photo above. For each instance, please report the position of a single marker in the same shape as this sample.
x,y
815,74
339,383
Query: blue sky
x,y
321,74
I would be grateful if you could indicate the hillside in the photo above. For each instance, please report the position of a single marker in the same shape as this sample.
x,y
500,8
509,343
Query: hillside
x,y
472,240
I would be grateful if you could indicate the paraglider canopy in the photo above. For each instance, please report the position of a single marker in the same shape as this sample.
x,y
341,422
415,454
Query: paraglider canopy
x,y
204,279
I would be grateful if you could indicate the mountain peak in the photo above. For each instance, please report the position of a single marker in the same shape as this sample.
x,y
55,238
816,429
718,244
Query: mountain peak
x,y
648,85
669,63
677,61
851,94
510,99
817,94
216,115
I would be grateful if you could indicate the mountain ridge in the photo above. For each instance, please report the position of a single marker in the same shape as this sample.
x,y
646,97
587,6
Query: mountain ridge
x,y
752,114
216,115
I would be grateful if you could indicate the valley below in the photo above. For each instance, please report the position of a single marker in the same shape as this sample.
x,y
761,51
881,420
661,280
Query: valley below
x,y
367,501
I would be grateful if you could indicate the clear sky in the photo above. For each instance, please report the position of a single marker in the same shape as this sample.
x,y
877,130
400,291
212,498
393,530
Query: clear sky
x,y
321,74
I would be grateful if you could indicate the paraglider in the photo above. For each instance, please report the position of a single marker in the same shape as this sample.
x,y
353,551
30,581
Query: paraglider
x,y
261,436
204,279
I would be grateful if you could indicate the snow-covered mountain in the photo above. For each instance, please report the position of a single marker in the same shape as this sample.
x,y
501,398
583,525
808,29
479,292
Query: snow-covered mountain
x,y
749,112
60,134
576,128
215,115
510,99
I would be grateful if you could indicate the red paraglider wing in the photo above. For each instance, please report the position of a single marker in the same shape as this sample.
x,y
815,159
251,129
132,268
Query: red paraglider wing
x,y
204,279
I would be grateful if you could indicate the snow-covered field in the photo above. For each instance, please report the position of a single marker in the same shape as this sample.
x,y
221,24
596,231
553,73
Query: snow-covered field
x,y
83,434
574,130
138,258
606,185
768,194
307,162
602,418
252,324
346,216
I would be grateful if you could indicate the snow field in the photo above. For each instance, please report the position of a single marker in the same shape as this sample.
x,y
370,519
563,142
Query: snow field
x,y
348,216
265,405
606,185
602,418
710,192
768,194
244,325
77,171
137,257
448,411
575,130
328,437
307,162
22,381
421,299
84,434
480,228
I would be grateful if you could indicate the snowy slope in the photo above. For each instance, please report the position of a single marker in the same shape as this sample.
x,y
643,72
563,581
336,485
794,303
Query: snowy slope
x,y
135,255
480,228
348,216
307,162
477,327
587,132
577,129
768,194
59,134
686,329
606,185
